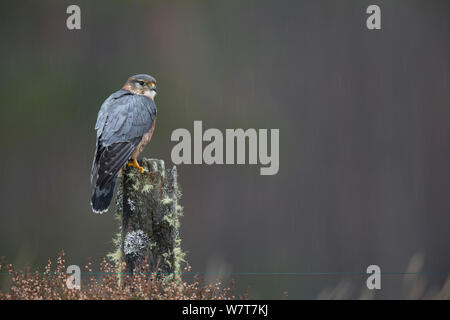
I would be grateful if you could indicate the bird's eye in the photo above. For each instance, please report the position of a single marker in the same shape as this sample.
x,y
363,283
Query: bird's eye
x,y
141,83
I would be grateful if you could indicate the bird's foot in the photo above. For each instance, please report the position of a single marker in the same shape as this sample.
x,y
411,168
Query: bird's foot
x,y
135,164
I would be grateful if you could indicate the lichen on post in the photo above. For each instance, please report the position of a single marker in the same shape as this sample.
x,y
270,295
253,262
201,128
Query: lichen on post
x,y
148,211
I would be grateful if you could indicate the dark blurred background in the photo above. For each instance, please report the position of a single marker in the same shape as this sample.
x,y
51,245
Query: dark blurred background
x,y
364,119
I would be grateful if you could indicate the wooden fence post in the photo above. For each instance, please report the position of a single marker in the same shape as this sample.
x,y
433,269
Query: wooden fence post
x,y
149,212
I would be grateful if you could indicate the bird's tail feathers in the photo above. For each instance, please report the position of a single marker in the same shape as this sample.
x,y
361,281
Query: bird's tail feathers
x,y
102,196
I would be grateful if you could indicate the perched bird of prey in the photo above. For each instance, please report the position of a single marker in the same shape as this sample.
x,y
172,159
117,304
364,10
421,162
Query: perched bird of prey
x,y
125,124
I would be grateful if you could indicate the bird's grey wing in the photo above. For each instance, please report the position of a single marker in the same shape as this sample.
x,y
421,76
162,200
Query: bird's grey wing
x,y
132,116
107,108
128,118
102,119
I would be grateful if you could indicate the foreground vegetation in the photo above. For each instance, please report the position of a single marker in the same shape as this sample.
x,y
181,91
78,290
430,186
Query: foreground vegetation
x,y
106,284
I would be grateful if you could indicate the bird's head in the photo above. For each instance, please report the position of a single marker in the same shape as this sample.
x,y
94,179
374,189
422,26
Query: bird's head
x,y
142,84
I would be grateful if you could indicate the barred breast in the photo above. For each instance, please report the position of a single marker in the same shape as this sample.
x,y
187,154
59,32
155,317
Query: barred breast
x,y
145,139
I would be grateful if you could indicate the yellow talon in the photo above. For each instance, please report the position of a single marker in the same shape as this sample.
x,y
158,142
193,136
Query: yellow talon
x,y
135,164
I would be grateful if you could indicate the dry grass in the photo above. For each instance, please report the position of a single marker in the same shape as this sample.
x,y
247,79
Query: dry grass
x,y
51,285
105,284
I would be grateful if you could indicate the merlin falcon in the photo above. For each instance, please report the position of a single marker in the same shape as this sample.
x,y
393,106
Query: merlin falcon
x,y
125,124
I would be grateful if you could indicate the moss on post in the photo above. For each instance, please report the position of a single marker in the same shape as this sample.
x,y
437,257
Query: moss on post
x,y
148,210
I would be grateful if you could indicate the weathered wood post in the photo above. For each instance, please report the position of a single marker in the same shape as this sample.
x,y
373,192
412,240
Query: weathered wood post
x,y
149,212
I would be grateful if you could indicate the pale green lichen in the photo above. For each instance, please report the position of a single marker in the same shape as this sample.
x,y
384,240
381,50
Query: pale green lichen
x,y
116,255
179,210
136,186
147,188
166,201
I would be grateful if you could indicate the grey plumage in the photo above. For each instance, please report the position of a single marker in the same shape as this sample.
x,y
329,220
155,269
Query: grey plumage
x,y
124,118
